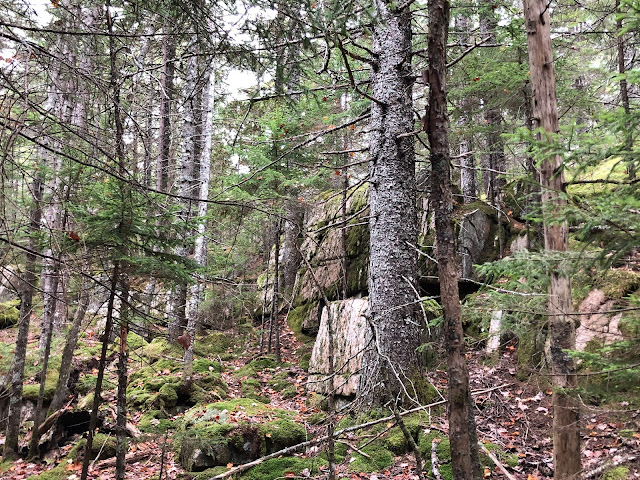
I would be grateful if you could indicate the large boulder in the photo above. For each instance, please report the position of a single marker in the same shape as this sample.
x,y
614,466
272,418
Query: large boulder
x,y
596,325
349,328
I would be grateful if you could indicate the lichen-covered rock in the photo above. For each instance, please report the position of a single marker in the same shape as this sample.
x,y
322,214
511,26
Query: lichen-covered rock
x,y
596,325
349,326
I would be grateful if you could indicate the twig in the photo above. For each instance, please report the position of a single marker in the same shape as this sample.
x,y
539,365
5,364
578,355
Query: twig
x,y
598,470
434,459
366,455
495,460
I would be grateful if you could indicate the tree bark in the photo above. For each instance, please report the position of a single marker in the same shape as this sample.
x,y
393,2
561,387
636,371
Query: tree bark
x,y
462,433
26,304
166,93
200,249
62,389
393,268
566,429
121,402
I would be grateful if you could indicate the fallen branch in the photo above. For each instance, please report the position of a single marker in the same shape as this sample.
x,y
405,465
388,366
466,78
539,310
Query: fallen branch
x,y
366,455
598,470
434,459
129,458
495,460
316,441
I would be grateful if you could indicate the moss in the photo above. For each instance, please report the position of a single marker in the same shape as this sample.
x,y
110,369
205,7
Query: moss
x,y
425,439
202,365
617,283
626,433
289,392
380,458
510,459
316,418
9,313
86,384
280,467
57,473
168,395
209,472
214,343
303,362
446,471
296,318
31,391
159,348
283,433
617,473
154,421
103,445
135,341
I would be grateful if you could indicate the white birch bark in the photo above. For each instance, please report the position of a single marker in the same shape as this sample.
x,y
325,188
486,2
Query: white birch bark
x,y
200,250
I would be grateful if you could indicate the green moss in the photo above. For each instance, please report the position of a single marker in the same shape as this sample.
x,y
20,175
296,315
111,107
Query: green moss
x,y
154,421
380,458
510,459
446,471
304,361
316,418
289,392
617,473
159,348
57,473
425,439
283,433
86,384
202,365
617,283
214,343
296,318
135,341
279,467
9,313
168,395
103,445
31,391
208,473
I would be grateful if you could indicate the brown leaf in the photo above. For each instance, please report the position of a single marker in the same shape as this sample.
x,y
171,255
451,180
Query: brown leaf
x,y
184,340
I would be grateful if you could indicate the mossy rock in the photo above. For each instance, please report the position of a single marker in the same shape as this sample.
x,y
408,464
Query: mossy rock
x,y
168,395
154,421
617,473
202,365
380,459
289,392
283,433
31,391
316,418
159,348
617,283
425,439
103,445
208,473
86,383
209,436
304,361
279,468
214,343
9,313
296,318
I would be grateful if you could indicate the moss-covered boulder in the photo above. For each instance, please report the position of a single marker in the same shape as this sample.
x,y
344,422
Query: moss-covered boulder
x,y
9,313
236,431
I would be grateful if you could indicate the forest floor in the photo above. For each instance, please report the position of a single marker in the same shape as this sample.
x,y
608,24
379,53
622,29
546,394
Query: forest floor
x,y
514,414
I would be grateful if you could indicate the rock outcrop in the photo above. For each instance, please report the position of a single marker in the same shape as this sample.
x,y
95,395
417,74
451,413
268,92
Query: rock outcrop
x,y
349,328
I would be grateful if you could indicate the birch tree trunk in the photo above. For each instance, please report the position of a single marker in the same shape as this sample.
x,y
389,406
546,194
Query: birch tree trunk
x,y
200,249
566,428
393,269
462,434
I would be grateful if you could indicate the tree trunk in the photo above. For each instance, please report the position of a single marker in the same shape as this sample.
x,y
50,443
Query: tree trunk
x,y
566,429
274,326
200,249
26,303
121,402
166,94
62,390
624,88
393,268
462,434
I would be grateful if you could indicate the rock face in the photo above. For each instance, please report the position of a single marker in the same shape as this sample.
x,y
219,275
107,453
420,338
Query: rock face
x,y
350,325
473,238
595,324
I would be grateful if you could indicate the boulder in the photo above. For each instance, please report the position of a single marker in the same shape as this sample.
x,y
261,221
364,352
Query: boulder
x,y
349,326
596,325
